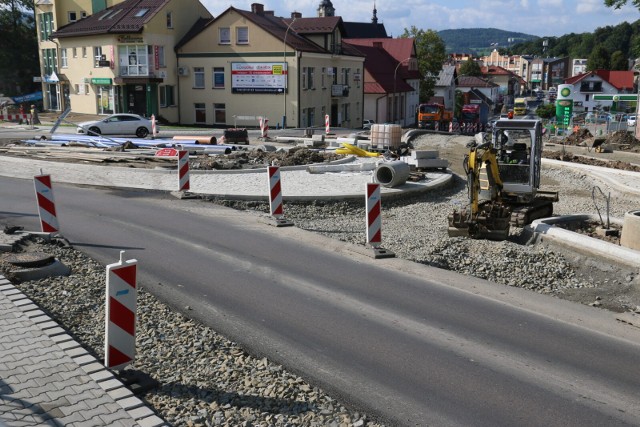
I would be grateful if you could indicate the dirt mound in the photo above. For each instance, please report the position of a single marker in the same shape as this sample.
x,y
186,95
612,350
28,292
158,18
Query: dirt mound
x,y
569,157
579,138
619,140
261,157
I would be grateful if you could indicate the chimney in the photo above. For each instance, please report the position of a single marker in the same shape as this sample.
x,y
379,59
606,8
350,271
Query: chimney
x,y
296,15
257,8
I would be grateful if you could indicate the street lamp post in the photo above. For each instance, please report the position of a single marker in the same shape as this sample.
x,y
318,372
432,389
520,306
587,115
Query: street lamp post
x,y
285,74
393,104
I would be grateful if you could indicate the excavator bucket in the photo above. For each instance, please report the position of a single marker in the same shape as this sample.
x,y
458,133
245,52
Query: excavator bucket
x,y
492,222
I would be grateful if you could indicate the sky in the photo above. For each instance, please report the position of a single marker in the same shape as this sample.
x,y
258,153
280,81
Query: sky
x,y
544,18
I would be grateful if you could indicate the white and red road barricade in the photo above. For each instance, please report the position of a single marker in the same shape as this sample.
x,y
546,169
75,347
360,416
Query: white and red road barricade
x,y
374,220
120,325
46,204
326,123
275,192
183,170
264,127
12,117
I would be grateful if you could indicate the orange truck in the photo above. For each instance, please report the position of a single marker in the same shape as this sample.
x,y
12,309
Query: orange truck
x,y
434,116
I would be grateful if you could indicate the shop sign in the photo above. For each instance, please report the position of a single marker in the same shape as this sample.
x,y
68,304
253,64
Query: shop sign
x,y
101,81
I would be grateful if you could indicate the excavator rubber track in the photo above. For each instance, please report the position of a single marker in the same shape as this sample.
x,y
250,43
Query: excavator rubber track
x,y
492,222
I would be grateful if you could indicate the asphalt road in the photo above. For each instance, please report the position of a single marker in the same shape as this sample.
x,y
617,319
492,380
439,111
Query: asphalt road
x,y
408,343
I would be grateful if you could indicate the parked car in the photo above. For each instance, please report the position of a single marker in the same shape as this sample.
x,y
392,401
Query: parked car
x,y
366,124
118,124
631,120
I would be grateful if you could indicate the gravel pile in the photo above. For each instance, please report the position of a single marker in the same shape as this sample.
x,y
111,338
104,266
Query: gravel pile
x,y
207,380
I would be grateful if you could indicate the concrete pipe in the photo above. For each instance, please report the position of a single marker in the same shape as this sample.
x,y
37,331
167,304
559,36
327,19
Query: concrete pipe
x,y
392,174
630,237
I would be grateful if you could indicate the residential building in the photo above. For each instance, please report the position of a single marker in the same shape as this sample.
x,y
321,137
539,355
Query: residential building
x,y
549,72
51,15
600,82
392,79
490,91
249,64
445,86
520,65
578,66
510,84
121,58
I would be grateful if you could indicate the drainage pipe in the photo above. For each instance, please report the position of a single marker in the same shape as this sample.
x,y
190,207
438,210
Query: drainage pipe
x,y
392,174
630,237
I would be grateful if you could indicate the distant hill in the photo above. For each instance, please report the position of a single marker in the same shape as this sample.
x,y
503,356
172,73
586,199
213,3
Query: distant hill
x,y
481,41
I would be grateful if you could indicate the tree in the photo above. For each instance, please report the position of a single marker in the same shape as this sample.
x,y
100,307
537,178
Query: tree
x,y
18,60
618,61
546,111
599,59
617,4
470,68
431,53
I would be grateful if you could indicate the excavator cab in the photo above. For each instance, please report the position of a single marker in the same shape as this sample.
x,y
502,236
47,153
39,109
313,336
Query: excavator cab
x,y
486,217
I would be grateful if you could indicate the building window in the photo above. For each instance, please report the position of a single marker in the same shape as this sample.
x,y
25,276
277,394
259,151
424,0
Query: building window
x,y
133,60
161,60
73,16
242,35
346,112
167,96
324,70
346,76
97,56
225,35
84,51
64,63
83,14
201,112
198,77
49,60
307,78
219,114
74,52
169,20
46,25
218,78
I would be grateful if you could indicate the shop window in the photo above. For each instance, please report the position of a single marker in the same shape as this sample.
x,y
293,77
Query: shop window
x,y
200,112
219,114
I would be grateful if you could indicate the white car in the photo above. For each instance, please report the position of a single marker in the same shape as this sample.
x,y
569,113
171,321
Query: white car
x,y
631,121
118,124
366,124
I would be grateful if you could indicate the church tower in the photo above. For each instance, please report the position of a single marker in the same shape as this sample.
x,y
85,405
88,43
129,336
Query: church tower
x,y
374,18
326,9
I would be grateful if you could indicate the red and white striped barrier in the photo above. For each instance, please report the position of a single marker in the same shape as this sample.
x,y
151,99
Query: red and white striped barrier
x,y
264,127
154,129
326,123
120,324
183,170
374,220
10,117
46,204
450,127
275,192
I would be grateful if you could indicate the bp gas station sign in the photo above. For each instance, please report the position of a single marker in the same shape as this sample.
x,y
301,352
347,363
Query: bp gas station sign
x,y
564,105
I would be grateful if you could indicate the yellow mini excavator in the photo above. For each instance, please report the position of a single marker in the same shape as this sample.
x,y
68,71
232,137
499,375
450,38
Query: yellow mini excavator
x,y
486,217
503,177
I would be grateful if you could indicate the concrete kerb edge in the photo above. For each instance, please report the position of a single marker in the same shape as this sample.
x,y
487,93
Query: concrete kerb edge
x,y
599,172
545,228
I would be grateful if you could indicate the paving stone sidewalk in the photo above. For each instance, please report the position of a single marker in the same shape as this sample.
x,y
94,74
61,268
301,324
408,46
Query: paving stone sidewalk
x,y
48,379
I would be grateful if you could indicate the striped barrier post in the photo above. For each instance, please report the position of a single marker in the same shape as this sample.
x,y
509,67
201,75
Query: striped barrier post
x,y
11,117
275,197
374,221
275,192
183,170
46,204
120,318
450,127
326,124
265,129
154,130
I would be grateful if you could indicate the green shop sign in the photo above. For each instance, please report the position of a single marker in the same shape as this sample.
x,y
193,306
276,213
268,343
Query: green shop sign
x,y
101,81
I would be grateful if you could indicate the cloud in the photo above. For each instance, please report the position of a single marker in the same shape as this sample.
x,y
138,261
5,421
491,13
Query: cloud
x,y
588,6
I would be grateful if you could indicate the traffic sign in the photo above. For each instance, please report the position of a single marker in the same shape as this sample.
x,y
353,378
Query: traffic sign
x,y
167,152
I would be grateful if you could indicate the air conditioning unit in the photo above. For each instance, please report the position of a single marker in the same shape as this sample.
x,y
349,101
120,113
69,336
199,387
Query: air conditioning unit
x,y
183,71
